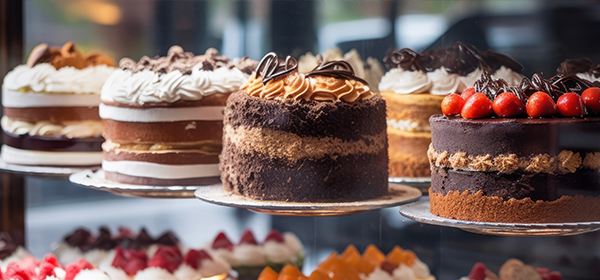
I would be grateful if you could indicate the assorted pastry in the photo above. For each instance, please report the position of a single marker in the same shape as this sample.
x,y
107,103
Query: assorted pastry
x,y
502,153
414,88
512,269
163,117
51,108
291,136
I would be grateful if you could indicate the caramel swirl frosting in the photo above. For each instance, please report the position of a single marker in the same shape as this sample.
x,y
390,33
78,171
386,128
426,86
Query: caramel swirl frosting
x,y
329,81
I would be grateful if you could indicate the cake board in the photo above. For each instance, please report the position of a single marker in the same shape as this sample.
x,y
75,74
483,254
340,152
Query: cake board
x,y
48,172
419,211
397,194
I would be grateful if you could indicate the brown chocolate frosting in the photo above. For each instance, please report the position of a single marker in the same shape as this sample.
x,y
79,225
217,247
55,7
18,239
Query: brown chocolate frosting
x,y
578,65
41,143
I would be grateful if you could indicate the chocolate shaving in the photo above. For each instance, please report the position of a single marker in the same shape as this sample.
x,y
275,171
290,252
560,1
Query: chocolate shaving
x,y
269,68
337,69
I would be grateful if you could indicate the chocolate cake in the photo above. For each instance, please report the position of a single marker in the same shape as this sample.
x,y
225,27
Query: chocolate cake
x,y
162,117
318,136
51,108
536,169
414,88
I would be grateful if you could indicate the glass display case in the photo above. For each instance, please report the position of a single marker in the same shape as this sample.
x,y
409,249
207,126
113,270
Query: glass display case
x,y
39,210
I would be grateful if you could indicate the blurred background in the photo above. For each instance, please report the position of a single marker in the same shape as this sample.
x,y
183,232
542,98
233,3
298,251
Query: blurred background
x,y
538,33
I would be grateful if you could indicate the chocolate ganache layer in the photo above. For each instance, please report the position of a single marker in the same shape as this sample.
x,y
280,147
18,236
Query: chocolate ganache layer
x,y
52,144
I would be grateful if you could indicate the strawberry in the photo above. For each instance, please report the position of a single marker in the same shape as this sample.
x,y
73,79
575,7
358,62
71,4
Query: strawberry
x,y
46,270
467,93
542,271
477,106
51,259
29,264
74,268
15,272
274,235
194,258
591,99
131,261
540,105
571,105
125,232
507,104
221,241
168,258
248,238
478,272
554,275
452,104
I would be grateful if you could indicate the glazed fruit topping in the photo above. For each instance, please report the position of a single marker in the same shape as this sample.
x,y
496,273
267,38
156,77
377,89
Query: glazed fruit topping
x,y
467,93
194,258
74,268
478,272
507,104
14,271
131,261
571,105
221,241
248,238
477,106
274,236
548,275
540,105
168,258
591,99
452,104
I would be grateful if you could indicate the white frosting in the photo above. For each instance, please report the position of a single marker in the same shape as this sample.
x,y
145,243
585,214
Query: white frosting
x,y
44,77
213,267
405,82
68,129
150,87
16,256
95,256
407,125
379,274
30,99
91,274
64,252
205,113
511,77
403,272
185,271
472,77
60,273
222,253
154,273
587,76
29,157
249,255
161,171
293,243
115,273
421,269
444,83
278,252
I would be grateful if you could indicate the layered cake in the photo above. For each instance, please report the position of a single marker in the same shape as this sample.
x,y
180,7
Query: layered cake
x,y
518,154
298,137
369,70
414,88
51,108
162,117
512,269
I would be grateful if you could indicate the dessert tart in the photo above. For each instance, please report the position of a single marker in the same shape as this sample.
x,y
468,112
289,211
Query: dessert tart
x,y
514,154
162,117
51,108
512,269
414,88
297,137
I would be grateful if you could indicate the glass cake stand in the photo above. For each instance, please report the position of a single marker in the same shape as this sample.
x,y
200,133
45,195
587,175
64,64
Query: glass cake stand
x,y
419,211
397,194
421,183
96,180
51,172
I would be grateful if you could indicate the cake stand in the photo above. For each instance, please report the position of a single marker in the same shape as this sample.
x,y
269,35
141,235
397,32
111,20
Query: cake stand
x,y
96,180
51,172
421,183
419,211
397,194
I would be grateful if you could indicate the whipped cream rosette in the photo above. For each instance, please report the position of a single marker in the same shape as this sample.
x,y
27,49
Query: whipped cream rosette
x,y
249,258
162,117
414,88
51,108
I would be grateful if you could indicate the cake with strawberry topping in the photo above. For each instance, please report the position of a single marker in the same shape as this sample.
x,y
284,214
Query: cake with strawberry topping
x,y
512,269
518,154
249,257
414,88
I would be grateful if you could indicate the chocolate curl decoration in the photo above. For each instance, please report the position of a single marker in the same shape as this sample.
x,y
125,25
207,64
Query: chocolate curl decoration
x,y
404,58
269,67
337,69
492,88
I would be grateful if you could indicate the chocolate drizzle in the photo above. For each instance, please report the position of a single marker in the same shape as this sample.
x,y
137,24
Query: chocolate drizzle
x,y
269,67
338,69
579,65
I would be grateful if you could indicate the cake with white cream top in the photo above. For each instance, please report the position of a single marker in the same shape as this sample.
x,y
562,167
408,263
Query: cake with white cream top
x,y
51,108
162,117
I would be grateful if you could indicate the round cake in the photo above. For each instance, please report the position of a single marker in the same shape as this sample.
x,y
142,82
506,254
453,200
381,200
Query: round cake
x,y
414,88
51,108
162,117
522,158
299,137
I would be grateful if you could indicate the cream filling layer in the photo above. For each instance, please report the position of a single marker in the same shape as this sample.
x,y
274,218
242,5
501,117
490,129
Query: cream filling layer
x,y
407,125
29,157
161,171
204,113
68,129
30,99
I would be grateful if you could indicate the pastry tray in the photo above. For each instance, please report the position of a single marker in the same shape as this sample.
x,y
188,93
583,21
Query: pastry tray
x,y
398,194
421,183
419,211
95,180
51,172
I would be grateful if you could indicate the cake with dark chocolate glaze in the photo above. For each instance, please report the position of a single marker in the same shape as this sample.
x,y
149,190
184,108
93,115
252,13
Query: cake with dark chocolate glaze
x,y
318,136
527,157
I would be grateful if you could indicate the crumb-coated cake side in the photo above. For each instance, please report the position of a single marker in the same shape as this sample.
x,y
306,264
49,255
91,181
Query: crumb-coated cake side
x,y
305,137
